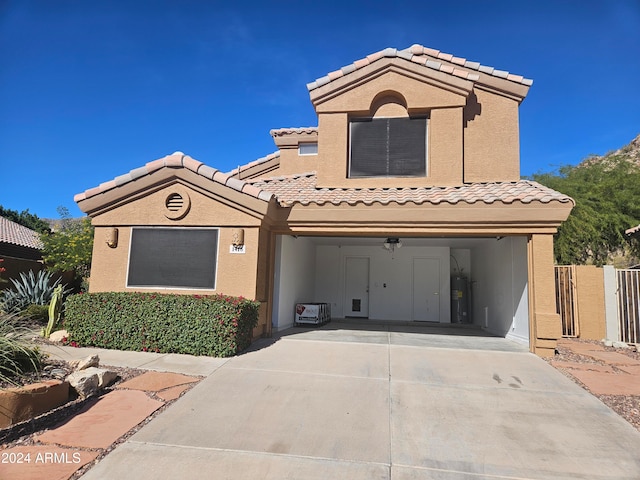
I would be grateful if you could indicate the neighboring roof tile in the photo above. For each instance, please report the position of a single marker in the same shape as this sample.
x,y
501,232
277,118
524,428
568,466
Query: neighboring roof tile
x,y
176,160
427,57
301,189
16,234
633,230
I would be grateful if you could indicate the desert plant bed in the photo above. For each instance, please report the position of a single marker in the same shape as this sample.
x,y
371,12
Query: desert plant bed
x,y
53,370
25,434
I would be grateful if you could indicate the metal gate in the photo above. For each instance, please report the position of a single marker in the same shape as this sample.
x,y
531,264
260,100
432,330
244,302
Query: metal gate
x,y
628,293
567,299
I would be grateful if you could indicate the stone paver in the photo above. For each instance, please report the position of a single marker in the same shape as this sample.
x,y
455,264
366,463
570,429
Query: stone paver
x,y
580,347
172,393
583,366
42,462
612,358
609,384
104,421
603,379
156,381
630,369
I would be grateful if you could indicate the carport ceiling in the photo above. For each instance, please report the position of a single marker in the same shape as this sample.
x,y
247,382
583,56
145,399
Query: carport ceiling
x,y
452,242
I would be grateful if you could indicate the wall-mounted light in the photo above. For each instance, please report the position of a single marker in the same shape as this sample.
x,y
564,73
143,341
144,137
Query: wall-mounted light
x,y
237,241
392,243
112,237
237,236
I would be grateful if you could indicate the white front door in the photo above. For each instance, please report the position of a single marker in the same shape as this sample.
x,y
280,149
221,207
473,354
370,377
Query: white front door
x,y
356,297
426,289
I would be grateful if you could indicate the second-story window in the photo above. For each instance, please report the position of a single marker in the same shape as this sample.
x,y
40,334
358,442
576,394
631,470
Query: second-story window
x,y
308,149
388,147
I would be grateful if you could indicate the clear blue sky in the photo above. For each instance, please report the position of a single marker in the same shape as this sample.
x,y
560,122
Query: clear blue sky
x,y
90,90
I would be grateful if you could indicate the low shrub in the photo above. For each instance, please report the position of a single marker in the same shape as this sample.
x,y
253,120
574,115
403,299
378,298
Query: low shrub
x,y
218,325
39,313
17,355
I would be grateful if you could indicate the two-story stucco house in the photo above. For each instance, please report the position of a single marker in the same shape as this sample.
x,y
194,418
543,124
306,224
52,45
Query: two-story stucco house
x,y
414,148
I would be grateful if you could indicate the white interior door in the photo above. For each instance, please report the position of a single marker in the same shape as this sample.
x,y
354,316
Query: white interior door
x,y
426,289
356,287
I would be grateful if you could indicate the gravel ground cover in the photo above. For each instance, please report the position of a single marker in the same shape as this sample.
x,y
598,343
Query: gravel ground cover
x,y
627,406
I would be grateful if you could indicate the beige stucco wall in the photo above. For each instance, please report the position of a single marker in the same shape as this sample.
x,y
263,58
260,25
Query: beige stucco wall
x,y
591,307
473,132
420,93
291,163
545,323
491,138
236,274
149,208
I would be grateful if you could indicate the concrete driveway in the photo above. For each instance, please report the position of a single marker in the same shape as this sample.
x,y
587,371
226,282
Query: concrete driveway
x,y
349,402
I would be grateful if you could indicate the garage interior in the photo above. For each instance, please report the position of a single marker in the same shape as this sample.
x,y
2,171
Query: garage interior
x,y
481,281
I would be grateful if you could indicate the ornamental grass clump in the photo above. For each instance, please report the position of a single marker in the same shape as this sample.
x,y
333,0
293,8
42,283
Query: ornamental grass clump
x,y
216,325
17,355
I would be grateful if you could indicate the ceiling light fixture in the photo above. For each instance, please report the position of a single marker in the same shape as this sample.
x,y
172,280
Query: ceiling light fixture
x,y
392,243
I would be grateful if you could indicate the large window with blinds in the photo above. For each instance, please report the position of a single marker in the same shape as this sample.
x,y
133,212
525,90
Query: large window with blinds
x,y
173,257
388,147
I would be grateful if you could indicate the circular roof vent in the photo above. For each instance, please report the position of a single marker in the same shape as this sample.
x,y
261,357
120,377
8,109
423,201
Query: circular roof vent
x,y
177,203
174,202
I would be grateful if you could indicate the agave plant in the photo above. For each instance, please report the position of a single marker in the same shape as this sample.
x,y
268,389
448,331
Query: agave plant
x,y
17,355
29,289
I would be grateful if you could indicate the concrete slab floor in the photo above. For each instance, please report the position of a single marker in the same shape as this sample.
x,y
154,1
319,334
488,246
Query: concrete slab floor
x,y
330,404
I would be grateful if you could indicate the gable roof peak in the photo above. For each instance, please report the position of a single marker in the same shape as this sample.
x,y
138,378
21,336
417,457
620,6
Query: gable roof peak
x,y
175,160
430,58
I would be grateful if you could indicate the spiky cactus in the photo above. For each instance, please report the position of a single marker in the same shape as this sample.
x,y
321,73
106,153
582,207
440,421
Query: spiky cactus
x,y
55,309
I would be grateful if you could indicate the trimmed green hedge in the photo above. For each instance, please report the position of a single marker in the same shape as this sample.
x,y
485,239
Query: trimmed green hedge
x,y
219,325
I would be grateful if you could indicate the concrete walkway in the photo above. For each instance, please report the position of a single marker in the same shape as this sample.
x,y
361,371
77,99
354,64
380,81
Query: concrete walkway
x,y
161,362
361,403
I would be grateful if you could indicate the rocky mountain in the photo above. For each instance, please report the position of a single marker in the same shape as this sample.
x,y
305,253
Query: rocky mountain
x,y
630,152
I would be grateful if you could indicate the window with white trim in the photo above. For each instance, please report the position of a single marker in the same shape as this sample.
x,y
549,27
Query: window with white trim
x,y
308,149
181,258
388,147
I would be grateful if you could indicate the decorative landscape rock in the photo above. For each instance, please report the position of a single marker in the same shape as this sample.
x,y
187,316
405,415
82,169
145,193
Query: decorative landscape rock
x,y
23,403
85,384
105,377
58,336
87,362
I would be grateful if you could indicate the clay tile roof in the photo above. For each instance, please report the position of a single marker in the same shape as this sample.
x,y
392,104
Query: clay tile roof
x,y
255,163
281,132
301,189
633,230
175,160
16,234
428,57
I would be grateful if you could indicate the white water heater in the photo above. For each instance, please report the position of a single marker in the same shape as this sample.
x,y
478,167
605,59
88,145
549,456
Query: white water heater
x,y
459,299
